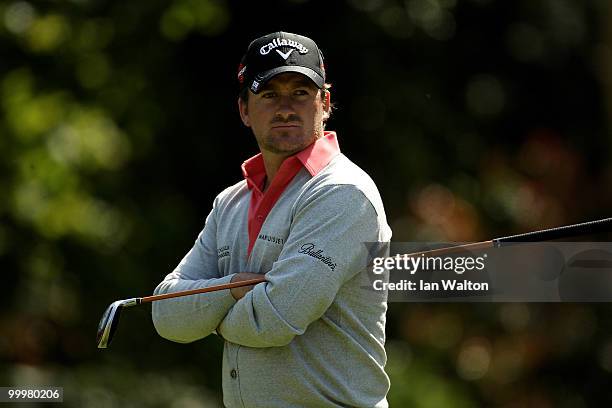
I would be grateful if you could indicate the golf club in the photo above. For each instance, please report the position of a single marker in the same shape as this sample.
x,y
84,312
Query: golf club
x,y
110,318
566,231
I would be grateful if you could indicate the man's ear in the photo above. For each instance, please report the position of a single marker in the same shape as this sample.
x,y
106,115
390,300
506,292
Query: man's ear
x,y
244,112
326,104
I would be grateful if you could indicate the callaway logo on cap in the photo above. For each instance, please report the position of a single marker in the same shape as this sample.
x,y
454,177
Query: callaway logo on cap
x,y
280,52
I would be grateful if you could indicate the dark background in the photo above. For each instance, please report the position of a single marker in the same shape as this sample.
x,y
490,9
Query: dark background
x,y
119,126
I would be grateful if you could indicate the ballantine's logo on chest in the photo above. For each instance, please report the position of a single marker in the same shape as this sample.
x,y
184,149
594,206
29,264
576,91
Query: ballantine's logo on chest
x,y
310,250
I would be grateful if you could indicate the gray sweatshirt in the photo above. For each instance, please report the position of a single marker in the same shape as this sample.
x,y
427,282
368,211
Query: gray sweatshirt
x,y
312,335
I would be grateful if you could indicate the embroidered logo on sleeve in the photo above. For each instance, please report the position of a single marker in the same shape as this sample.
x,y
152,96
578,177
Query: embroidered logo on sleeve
x,y
311,250
223,252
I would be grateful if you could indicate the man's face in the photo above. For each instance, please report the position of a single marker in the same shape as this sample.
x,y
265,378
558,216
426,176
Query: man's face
x,y
287,114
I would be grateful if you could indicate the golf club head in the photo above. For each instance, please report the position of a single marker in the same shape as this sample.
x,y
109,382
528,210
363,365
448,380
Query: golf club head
x,y
110,320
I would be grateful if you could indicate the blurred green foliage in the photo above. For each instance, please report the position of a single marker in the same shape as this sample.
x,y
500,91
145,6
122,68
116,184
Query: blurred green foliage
x,y
118,126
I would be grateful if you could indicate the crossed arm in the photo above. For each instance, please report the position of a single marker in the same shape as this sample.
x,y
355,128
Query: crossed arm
x,y
299,288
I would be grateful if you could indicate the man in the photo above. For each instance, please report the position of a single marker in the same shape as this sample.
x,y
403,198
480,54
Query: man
x,y
311,335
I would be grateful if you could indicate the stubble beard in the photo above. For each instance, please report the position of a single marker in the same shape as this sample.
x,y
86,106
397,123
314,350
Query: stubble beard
x,y
282,145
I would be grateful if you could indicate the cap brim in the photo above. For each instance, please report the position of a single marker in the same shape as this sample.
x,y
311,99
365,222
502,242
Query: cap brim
x,y
307,72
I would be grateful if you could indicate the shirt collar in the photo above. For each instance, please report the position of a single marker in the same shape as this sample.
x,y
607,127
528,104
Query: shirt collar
x,y
314,158
318,155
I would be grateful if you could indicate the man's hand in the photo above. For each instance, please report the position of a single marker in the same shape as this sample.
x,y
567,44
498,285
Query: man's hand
x,y
238,293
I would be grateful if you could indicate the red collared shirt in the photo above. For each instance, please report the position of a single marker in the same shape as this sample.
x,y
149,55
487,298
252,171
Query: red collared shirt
x,y
314,158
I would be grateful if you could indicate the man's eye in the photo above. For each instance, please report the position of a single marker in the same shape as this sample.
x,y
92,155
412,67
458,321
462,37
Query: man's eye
x,y
301,92
268,94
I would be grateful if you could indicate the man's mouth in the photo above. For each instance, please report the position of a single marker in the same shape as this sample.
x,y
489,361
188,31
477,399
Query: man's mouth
x,y
285,126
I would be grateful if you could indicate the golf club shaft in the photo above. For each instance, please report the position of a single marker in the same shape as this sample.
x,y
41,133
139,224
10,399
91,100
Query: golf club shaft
x,y
591,227
584,228
231,285
451,249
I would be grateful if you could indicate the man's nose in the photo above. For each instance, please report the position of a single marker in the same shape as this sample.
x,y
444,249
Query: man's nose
x,y
285,105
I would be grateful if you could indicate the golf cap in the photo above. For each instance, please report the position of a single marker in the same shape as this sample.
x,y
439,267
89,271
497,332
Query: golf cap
x,y
277,53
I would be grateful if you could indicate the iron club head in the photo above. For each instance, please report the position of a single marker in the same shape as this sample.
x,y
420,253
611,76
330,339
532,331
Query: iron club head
x,y
110,320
